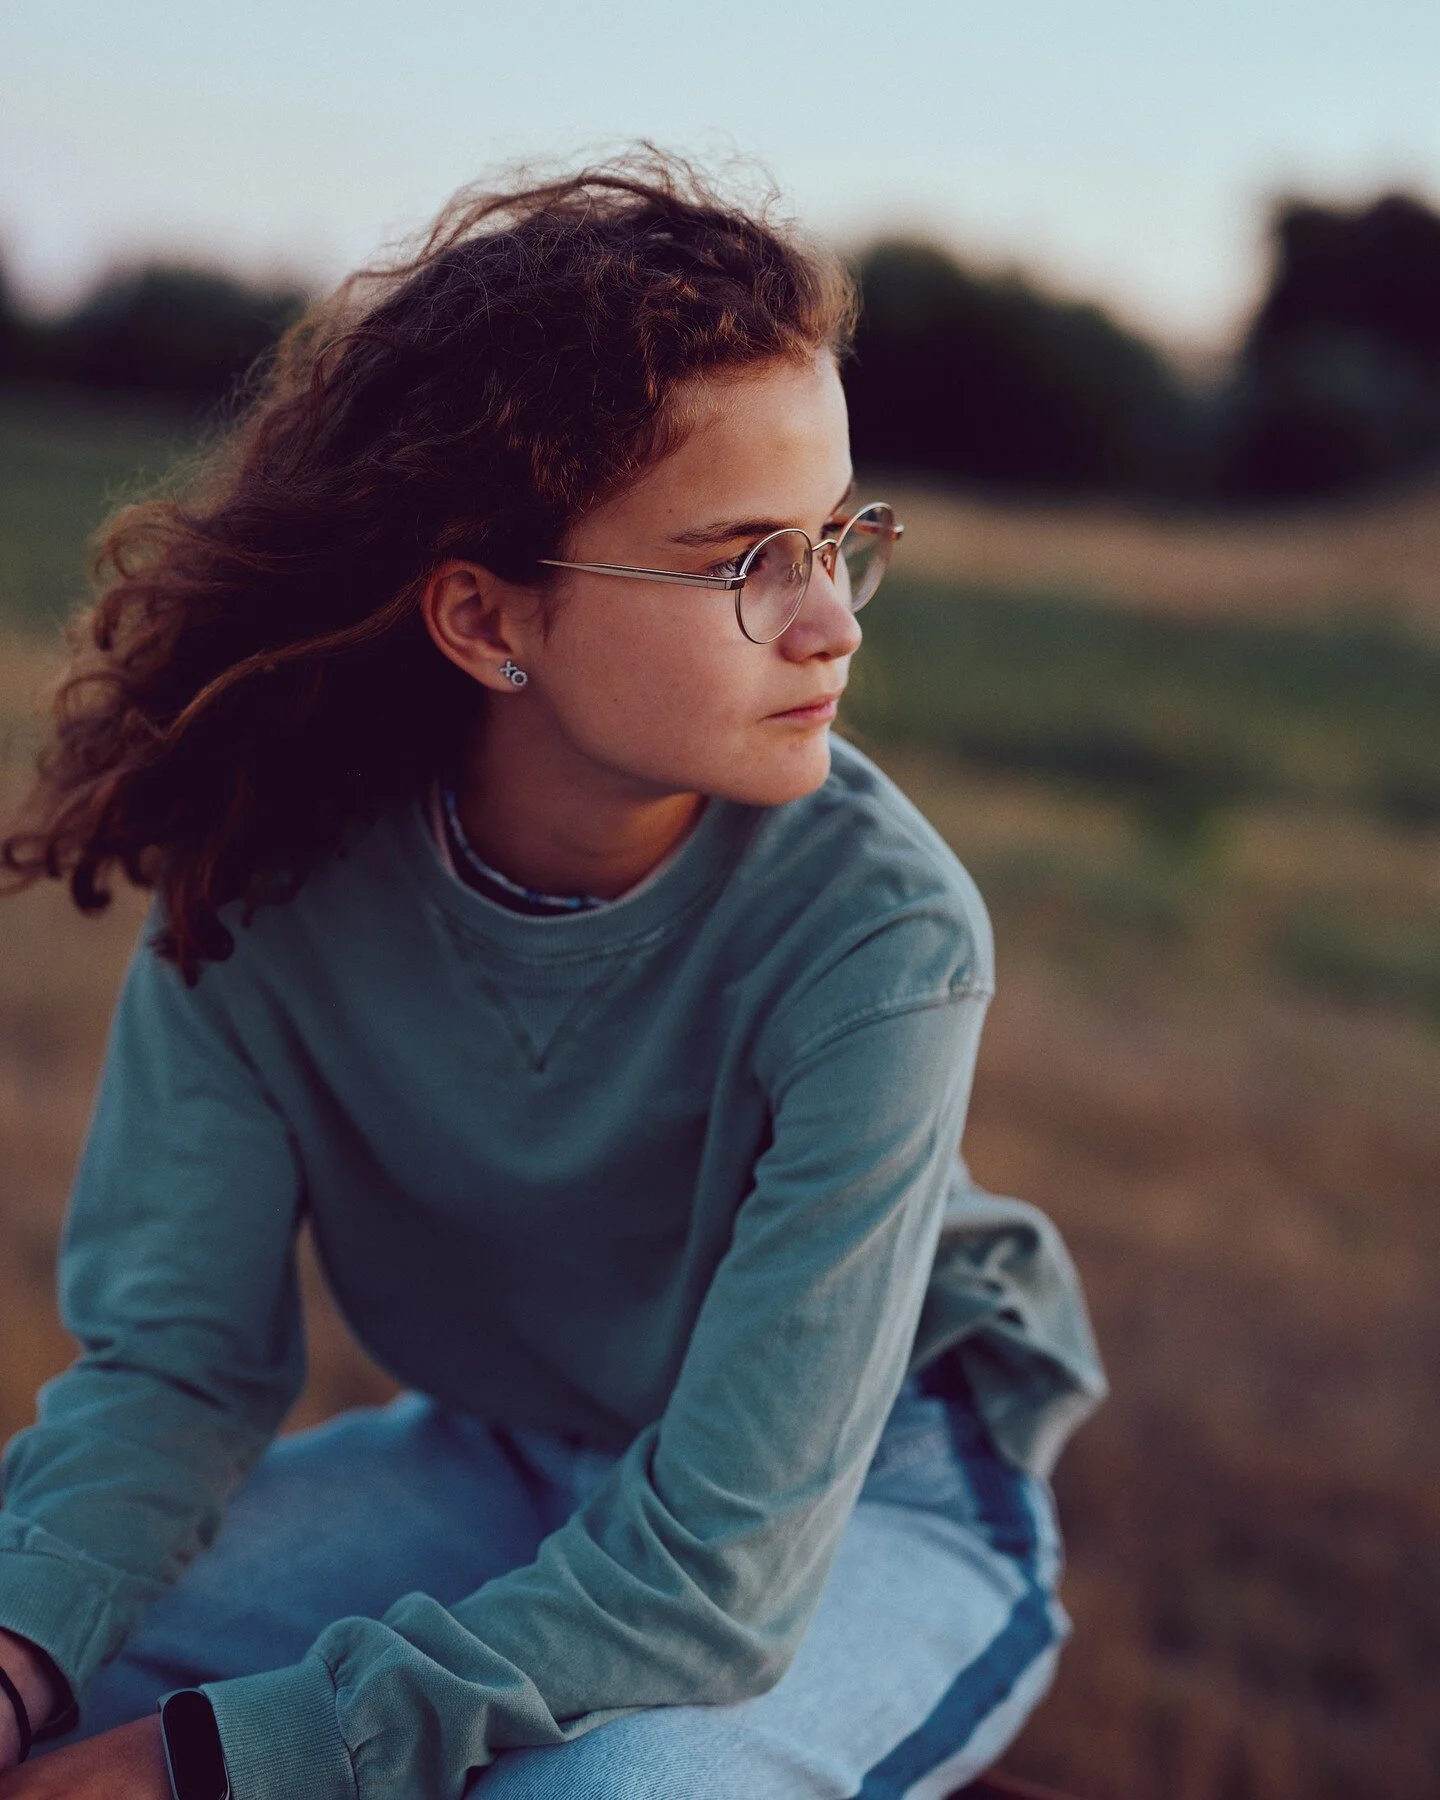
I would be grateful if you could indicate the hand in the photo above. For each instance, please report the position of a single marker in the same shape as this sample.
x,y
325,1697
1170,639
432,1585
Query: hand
x,y
24,1668
125,1764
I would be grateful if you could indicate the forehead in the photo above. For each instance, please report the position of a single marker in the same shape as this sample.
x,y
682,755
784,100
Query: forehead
x,y
771,439
790,402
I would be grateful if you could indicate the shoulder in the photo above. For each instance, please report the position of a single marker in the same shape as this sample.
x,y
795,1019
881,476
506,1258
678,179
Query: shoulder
x,y
887,918
352,922
866,860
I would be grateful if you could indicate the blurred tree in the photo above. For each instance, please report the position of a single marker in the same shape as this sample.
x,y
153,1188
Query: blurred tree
x,y
1338,382
12,327
188,334
984,379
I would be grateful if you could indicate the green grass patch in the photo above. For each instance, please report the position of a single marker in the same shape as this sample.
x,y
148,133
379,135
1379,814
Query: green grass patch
x,y
1331,946
64,464
1185,715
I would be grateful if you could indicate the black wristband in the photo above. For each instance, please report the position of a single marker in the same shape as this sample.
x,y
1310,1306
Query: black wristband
x,y
22,1713
194,1756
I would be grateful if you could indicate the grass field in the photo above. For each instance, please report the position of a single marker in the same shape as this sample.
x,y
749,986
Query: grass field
x,y
1194,766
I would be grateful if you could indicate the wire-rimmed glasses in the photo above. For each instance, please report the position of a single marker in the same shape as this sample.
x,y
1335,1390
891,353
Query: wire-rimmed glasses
x,y
770,579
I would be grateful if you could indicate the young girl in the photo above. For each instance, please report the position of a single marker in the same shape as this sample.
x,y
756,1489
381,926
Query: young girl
x,y
519,925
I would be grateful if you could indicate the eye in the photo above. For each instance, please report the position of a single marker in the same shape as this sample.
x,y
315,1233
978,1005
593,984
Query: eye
x,y
728,569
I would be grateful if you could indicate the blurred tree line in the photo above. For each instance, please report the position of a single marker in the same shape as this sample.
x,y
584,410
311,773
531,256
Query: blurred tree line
x,y
987,381
183,335
974,378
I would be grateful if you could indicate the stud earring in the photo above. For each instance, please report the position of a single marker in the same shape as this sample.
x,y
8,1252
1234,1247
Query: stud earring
x,y
515,675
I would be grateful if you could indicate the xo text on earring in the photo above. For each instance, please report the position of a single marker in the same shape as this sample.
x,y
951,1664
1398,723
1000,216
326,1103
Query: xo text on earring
x,y
513,673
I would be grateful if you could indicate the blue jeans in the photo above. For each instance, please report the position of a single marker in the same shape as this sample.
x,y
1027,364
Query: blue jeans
x,y
936,1635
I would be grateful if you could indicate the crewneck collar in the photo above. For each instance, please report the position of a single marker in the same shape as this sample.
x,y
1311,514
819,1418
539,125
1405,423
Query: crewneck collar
x,y
680,882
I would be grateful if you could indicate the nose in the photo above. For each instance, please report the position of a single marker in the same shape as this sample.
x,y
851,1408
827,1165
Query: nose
x,y
824,626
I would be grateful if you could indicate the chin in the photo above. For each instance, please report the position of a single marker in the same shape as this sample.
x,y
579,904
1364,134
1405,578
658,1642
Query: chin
x,y
773,779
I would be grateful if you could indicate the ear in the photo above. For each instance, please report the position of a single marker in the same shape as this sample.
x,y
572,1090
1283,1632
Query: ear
x,y
477,620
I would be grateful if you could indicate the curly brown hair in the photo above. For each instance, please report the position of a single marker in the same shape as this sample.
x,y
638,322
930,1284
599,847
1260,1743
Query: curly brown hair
x,y
254,680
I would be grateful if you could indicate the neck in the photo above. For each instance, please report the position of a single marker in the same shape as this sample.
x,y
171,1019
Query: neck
x,y
542,812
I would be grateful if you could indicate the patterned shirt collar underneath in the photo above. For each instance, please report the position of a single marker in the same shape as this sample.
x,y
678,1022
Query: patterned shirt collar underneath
x,y
477,873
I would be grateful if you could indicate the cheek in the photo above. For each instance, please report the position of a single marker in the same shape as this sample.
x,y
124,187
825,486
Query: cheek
x,y
656,677
701,672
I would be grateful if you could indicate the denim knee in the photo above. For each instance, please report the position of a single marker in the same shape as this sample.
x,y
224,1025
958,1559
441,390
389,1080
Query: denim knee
x,y
660,1753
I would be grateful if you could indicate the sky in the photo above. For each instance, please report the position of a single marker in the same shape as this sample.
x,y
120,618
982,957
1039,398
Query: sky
x,y
1127,150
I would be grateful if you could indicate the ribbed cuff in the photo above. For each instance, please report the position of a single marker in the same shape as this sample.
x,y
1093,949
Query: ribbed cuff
x,y
50,1600
280,1734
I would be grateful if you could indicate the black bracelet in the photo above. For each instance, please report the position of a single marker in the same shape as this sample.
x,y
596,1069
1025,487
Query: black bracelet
x,y
194,1755
22,1714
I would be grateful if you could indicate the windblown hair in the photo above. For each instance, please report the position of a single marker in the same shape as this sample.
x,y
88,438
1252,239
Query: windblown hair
x,y
254,681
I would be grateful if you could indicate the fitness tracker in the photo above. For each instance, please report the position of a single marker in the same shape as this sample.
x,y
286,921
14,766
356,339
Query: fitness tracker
x,y
193,1754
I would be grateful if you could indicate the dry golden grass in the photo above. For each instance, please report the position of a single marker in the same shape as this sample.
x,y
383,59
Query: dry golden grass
x,y
1254,1520
1377,562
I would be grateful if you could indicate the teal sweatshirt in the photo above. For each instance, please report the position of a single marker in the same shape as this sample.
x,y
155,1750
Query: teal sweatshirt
x,y
679,1175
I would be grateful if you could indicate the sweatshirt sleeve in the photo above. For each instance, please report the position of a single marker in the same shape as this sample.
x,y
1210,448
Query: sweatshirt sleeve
x,y
692,1572
177,1277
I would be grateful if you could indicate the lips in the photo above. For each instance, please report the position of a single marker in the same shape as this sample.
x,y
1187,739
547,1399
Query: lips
x,y
811,709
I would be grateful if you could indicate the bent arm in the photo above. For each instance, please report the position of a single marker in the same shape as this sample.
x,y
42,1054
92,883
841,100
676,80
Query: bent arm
x,y
693,1571
177,1276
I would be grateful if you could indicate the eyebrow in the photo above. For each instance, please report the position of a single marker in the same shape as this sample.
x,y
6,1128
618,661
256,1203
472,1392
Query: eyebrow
x,y
730,529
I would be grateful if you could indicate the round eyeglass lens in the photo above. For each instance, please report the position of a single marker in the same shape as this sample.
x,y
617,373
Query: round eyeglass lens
x,y
865,553
776,574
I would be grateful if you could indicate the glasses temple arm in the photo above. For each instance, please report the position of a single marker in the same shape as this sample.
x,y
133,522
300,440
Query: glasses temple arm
x,y
671,577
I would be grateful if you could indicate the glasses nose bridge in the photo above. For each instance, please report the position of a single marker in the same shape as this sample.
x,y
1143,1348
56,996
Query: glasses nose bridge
x,y
825,553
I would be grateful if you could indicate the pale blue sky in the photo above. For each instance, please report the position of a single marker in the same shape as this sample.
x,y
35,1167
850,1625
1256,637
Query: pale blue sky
x,y
1127,148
